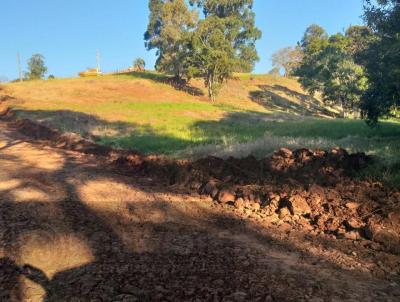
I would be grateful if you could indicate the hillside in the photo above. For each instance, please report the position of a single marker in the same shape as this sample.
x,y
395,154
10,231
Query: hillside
x,y
131,222
122,98
254,114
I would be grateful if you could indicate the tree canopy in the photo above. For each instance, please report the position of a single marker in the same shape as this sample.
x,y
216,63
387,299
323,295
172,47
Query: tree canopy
x,y
139,64
169,31
212,47
288,58
329,67
36,67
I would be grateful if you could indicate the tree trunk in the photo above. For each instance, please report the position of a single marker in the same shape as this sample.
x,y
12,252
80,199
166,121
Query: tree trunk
x,y
343,108
210,86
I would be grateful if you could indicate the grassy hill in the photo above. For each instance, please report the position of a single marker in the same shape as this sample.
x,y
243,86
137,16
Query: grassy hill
x,y
254,114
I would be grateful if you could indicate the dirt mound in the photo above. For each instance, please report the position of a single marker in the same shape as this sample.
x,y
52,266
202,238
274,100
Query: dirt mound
x,y
68,141
312,190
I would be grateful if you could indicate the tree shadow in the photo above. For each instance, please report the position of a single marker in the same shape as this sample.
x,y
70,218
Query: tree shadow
x,y
233,126
178,84
119,135
149,249
271,98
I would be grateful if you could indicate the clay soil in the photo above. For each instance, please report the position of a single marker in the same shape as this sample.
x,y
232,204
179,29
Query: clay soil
x,y
82,223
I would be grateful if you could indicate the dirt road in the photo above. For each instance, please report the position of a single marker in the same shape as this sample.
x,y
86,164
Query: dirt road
x,y
71,229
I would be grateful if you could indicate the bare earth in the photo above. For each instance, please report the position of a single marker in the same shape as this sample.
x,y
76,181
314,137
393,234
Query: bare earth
x,y
71,229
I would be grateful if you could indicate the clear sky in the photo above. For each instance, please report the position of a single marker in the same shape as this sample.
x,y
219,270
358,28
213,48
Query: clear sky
x,y
68,32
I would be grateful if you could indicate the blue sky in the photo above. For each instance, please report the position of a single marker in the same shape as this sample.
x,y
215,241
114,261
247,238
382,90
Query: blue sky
x,y
68,32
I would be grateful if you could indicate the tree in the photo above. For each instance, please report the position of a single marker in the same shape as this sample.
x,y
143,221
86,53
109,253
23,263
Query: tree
x,y
329,68
359,40
275,71
288,59
169,32
383,59
314,39
37,67
139,64
344,84
223,42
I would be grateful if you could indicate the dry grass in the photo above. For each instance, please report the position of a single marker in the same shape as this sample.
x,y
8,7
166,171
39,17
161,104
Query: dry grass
x,y
254,114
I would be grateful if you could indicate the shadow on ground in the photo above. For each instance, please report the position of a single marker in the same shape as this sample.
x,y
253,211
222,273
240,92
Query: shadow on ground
x,y
178,84
235,126
102,237
271,98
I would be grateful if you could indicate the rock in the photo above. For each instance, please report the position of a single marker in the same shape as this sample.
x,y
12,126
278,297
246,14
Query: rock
x,y
226,196
284,152
209,187
354,223
298,205
195,185
352,205
283,213
240,204
339,152
388,237
214,193
353,235
255,206
316,194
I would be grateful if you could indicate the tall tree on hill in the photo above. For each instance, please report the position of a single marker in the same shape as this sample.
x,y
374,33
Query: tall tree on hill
x,y
383,64
224,41
169,31
329,68
314,39
288,58
37,68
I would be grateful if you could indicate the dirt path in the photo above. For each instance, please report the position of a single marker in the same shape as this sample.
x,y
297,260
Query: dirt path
x,y
72,230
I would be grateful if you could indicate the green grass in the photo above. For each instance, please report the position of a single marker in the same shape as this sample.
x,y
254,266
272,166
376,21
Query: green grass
x,y
141,112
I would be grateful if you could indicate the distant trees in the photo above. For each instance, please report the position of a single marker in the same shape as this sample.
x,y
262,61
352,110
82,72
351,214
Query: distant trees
x,y
139,64
275,71
36,67
329,67
212,47
314,38
288,59
360,70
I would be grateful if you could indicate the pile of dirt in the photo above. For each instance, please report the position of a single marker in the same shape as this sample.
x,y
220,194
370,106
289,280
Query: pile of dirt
x,y
304,189
67,141
307,190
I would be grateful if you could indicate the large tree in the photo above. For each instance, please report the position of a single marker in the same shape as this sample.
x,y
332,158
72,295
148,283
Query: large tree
x,y
329,68
359,40
169,32
314,39
288,58
383,64
224,41
36,67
